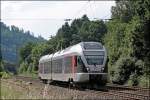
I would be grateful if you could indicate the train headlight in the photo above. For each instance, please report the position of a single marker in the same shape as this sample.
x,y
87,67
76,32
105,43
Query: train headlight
x,y
88,69
102,69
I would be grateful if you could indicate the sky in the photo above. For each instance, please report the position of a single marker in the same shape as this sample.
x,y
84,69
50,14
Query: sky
x,y
44,18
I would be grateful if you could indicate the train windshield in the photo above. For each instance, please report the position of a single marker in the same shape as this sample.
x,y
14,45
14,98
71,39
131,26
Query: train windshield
x,y
94,57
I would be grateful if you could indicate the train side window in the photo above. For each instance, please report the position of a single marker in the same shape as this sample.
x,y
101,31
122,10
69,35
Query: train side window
x,y
79,60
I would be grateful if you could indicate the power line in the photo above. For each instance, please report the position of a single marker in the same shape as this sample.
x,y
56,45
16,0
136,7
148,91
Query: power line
x,y
81,9
62,19
34,18
92,9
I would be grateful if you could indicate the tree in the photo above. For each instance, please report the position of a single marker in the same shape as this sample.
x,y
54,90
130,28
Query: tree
x,y
122,11
25,52
64,36
128,36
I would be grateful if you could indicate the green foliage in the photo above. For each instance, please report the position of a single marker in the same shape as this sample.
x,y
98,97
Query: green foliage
x,y
133,80
12,39
123,69
144,81
139,66
114,40
127,36
122,11
80,30
64,35
1,66
38,51
5,75
23,67
25,52
30,68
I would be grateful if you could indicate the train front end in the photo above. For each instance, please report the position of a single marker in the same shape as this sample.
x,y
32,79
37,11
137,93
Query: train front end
x,y
94,58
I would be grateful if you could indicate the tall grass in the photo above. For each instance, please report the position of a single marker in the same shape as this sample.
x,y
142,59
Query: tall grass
x,y
12,91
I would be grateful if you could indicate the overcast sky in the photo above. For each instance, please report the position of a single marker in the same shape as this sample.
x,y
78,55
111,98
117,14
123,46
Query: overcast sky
x,y
46,17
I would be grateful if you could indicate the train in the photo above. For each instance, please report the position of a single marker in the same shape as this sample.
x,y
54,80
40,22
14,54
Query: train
x,y
84,62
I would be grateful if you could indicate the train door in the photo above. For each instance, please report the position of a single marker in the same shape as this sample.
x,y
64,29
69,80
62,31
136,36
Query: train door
x,y
80,65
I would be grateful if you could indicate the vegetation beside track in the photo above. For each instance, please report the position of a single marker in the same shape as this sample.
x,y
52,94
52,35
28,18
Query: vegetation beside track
x,y
21,87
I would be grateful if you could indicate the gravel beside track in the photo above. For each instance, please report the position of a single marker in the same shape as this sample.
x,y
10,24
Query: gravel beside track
x,y
63,91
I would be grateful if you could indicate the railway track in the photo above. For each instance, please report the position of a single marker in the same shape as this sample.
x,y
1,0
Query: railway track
x,y
113,91
133,92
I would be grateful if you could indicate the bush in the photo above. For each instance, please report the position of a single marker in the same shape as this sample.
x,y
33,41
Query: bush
x,y
123,69
1,74
30,68
133,80
139,66
5,75
23,67
144,81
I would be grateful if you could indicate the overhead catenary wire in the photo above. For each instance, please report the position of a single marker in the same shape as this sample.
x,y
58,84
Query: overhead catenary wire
x,y
78,12
94,17
51,19
65,19
33,18
92,9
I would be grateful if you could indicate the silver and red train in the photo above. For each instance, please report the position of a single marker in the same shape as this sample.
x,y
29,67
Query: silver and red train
x,y
80,63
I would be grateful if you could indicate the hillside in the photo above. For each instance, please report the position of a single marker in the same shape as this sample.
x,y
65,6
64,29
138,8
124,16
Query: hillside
x,y
12,39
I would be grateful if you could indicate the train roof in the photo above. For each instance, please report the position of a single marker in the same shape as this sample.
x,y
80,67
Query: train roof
x,y
73,49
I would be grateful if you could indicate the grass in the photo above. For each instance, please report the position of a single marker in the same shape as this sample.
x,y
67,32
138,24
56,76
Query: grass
x,y
5,75
8,92
14,91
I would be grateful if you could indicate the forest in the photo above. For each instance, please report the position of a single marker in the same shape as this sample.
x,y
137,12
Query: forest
x,y
125,37
12,39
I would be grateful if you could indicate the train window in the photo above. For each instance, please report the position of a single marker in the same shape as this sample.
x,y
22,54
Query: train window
x,y
46,68
92,46
94,59
80,65
40,68
67,64
94,52
57,66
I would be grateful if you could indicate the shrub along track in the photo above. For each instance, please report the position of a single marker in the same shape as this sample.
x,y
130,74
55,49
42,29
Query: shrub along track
x,y
109,91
